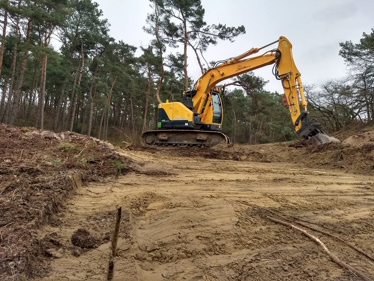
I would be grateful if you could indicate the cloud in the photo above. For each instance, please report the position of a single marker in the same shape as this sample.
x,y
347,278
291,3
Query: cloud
x,y
336,10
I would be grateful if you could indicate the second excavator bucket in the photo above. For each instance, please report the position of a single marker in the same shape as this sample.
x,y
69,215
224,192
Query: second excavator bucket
x,y
313,132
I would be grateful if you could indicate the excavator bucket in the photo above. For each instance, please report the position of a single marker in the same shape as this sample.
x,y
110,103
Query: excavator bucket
x,y
313,132
322,138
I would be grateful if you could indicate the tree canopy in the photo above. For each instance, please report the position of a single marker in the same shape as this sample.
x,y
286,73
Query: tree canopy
x,y
340,102
96,85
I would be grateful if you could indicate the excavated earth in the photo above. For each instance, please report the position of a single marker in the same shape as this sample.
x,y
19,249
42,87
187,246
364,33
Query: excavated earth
x,y
75,208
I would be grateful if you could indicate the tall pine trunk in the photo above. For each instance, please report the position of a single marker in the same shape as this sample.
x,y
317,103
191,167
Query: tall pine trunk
x,y
42,93
3,37
91,95
147,98
43,78
91,108
75,93
161,55
132,116
57,122
185,54
8,109
17,93
33,93
102,130
2,102
197,57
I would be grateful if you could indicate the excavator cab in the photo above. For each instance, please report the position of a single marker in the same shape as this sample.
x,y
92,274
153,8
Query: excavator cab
x,y
212,109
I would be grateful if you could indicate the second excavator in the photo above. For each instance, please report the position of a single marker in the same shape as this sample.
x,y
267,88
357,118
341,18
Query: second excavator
x,y
197,119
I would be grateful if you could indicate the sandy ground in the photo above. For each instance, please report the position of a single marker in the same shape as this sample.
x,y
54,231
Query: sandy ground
x,y
210,219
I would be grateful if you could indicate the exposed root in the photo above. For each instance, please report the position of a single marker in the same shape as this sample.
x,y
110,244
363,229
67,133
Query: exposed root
x,y
333,257
297,221
114,245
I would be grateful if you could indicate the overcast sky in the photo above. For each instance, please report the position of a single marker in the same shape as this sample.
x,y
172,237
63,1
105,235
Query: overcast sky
x,y
315,29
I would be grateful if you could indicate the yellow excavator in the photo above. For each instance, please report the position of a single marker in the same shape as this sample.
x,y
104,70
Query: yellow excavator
x,y
197,119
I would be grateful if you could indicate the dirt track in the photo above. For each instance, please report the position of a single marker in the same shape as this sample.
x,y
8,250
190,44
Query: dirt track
x,y
208,219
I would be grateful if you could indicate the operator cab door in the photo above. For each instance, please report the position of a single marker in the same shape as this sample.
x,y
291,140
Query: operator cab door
x,y
211,116
217,109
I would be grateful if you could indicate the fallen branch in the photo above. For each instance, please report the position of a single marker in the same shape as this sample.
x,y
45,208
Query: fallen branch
x,y
354,247
114,245
76,156
333,257
123,132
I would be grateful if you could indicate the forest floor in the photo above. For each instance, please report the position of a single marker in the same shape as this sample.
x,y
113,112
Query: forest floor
x,y
186,214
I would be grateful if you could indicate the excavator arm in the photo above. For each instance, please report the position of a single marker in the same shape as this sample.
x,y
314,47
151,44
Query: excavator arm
x,y
284,70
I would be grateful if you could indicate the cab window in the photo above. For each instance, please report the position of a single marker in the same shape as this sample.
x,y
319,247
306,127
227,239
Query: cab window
x,y
217,109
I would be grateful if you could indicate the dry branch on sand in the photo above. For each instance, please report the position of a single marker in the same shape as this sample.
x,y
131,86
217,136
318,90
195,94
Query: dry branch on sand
x,y
333,257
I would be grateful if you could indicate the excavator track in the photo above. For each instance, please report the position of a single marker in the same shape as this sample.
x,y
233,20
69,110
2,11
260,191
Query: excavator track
x,y
173,137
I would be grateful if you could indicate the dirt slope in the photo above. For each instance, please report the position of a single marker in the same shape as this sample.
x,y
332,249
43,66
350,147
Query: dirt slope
x,y
39,170
187,214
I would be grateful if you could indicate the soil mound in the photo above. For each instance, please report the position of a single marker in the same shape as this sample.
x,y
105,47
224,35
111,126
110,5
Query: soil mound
x,y
354,154
360,140
82,238
38,171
